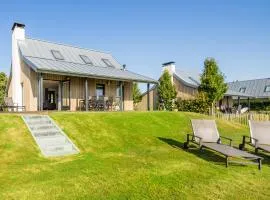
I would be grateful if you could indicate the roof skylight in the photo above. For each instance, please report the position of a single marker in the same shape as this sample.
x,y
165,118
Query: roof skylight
x,y
107,62
86,59
267,88
242,90
57,55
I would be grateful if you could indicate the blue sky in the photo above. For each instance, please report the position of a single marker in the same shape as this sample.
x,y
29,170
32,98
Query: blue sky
x,y
145,34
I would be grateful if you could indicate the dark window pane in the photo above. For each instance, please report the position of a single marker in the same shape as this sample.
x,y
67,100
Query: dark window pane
x,y
267,88
100,90
243,90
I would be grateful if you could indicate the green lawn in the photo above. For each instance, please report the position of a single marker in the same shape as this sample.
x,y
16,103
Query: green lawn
x,y
124,156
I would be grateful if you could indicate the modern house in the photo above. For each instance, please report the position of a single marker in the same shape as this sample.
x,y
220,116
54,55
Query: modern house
x,y
187,83
47,75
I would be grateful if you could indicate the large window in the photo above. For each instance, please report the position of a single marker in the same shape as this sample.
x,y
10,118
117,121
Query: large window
x,y
242,89
100,90
57,55
267,88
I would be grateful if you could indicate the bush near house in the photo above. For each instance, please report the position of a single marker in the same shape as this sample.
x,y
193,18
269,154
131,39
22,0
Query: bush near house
x,y
3,84
198,105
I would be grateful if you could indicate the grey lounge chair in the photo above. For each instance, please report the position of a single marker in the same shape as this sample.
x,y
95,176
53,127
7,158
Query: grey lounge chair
x,y
206,135
259,136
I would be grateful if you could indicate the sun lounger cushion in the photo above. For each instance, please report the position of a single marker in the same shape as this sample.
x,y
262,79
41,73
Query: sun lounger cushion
x,y
206,129
229,151
260,131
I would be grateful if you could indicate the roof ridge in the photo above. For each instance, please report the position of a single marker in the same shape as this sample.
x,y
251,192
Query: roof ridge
x,y
67,45
256,79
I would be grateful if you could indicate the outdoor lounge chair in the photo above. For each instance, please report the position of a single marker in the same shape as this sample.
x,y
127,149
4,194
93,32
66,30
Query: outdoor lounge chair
x,y
259,136
206,135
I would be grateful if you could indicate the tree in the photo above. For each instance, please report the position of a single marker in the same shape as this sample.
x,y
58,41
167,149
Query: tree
x,y
213,84
3,85
166,90
137,96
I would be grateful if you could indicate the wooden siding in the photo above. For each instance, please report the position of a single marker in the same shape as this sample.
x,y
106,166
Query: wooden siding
x,y
77,89
142,106
184,92
30,87
128,96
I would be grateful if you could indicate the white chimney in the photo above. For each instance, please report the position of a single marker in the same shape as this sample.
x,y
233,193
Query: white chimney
x,y
170,66
18,33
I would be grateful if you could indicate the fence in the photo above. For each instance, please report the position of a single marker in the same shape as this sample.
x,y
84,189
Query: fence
x,y
243,118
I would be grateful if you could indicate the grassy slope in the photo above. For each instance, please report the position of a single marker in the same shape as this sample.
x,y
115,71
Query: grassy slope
x,y
124,156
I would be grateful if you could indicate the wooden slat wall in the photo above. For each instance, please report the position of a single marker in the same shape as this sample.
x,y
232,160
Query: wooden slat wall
x,y
77,89
30,87
128,96
184,92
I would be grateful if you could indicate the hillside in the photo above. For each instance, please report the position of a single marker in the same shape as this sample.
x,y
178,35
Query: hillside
x,y
131,155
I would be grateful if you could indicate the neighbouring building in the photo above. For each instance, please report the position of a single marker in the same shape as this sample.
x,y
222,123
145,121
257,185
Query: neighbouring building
x,y
51,76
187,83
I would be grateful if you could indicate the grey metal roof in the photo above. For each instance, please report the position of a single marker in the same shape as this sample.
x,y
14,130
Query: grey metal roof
x,y
37,54
254,87
237,94
191,79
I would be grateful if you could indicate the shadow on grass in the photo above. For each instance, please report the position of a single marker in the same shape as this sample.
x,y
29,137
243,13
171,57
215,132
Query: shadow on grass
x,y
204,154
207,154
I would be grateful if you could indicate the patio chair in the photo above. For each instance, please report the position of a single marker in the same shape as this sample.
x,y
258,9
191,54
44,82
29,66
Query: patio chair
x,y
259,136
100,103
206,135
109,103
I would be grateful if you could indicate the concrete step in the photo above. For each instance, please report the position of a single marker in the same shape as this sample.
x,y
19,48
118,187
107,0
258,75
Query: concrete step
x,y
42,127
46,133
35,117
60,153
58,148
39,121
52,140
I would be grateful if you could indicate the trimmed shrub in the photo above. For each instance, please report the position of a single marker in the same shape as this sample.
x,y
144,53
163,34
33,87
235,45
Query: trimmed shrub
x,y
198,105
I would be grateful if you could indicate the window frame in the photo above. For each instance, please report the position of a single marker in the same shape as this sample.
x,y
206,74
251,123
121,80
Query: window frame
x,y
83,57
107,62
267,88
57,52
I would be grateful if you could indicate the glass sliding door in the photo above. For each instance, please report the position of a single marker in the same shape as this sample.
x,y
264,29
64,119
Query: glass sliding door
x,y
65,95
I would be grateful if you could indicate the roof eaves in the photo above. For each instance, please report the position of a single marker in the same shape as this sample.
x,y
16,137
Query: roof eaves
x,y
91,76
